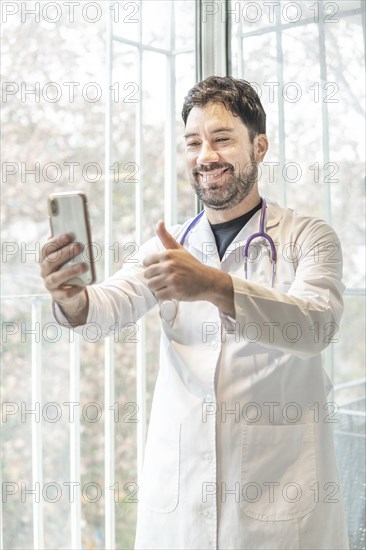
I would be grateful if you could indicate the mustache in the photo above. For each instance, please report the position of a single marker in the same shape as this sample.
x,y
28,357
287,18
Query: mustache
x,y
212,167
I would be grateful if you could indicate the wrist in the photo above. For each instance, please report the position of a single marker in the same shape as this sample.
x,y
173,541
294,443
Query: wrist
x,y
75,310
220,291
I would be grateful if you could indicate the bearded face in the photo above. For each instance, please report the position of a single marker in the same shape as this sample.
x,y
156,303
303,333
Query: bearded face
x,y
221,185
222,159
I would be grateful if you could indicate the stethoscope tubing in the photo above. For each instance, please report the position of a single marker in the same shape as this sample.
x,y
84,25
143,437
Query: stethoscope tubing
x,y
190,227
171,305
260,234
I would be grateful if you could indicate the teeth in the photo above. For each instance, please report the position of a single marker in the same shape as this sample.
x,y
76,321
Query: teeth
x,y
214,175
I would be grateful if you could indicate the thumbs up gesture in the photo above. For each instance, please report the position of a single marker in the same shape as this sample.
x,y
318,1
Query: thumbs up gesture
x,y
175,273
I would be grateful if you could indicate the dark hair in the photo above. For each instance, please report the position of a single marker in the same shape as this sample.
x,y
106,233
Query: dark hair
x,y
238,96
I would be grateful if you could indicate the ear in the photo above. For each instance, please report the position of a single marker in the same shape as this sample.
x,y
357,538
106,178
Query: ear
x,y
260,147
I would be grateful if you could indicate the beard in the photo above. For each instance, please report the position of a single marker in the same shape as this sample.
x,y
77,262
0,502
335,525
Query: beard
x,y
230,190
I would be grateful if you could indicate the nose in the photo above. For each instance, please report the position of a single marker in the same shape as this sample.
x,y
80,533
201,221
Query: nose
x,y
207,154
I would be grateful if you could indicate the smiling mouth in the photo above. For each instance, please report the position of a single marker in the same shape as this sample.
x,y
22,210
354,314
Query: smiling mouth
x,y
209,176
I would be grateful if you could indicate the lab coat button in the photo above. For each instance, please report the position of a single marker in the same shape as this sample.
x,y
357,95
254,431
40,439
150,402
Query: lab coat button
x,y
213,344
208,457
207,514
208,398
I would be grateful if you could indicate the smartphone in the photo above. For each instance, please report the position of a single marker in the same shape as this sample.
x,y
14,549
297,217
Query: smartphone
x,y
68,213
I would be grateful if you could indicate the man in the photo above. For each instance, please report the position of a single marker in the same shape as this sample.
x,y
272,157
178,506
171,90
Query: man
x,y
239,451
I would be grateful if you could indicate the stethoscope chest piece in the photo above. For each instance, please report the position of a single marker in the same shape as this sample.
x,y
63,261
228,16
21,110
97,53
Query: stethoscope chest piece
x,y
168,310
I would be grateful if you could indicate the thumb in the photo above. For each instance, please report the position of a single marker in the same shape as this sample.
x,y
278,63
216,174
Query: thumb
x,y
167,240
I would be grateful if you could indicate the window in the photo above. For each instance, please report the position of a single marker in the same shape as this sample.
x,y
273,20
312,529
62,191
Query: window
x,y
304,59
91,100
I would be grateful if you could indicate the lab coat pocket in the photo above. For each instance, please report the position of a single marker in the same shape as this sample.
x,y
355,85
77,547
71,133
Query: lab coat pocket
x,y
278,471
160,490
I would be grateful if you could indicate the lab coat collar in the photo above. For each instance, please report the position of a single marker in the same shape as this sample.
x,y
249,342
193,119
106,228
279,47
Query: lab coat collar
x,y
201,234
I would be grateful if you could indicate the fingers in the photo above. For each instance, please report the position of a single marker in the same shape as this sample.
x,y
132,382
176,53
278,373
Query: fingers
x,y
52,246
56,279
157,283
162,270
168,256
152,259
57,242
155,275
56,252
152,271
66,293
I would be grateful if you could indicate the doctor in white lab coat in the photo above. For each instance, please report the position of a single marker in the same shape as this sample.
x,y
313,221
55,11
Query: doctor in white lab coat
x,y
240,452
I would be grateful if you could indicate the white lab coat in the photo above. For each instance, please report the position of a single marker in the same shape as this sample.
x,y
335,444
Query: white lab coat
x,y
240,452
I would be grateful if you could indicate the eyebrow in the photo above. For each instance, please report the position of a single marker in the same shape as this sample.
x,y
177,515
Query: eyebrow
x,y
216,131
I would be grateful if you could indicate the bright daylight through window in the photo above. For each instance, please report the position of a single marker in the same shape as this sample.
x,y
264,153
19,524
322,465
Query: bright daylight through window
x,y
154,421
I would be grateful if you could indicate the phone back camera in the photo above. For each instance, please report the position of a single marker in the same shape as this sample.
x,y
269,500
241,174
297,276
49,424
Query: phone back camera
x,y
54,207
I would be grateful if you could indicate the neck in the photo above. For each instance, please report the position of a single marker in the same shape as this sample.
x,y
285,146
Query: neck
x,y
221,216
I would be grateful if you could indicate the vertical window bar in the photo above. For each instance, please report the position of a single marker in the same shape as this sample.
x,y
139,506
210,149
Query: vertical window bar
x,y
240,53
213,41
109,385
227,37
211,45
198,50
198,40
139,210
327,207
325,116
75,444
139,195
109,475
170,187
281,105
37,473
108,199
1,507
141,394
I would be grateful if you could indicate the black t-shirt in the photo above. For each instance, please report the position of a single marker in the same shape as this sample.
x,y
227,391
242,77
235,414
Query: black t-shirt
x,y
226,232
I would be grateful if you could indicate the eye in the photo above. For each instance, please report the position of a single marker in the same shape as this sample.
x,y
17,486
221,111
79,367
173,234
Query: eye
x,y
222,139
192,144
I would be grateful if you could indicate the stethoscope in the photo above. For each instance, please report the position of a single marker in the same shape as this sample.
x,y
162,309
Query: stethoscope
x,y
168,309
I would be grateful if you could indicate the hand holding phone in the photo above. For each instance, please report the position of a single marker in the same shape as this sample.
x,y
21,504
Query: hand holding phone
x,y
68,214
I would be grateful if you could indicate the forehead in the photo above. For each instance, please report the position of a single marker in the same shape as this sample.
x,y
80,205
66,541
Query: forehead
x,y
213,116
